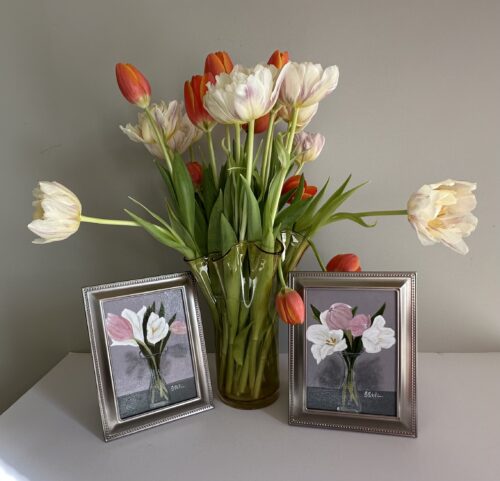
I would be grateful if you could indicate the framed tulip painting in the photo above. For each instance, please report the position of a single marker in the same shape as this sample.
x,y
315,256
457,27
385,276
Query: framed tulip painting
x,y
353,361
148,352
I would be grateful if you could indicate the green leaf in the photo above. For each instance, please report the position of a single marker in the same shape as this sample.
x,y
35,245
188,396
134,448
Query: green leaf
x,y
214,233
228,237
352,217
184,192
239,345
353,310
200,229
161,312
208,191
316,312
305,221
254,226
287,217
380,312
229,200
285,198
160,219
168,182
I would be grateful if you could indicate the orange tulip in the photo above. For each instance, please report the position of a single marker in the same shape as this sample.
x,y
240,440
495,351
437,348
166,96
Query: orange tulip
x,y
194,91
133,85
261,124
290,306
218,62
195,170
293,183
278,59
344,263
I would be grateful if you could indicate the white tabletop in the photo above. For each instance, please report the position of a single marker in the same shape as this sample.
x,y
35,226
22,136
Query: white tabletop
x,y
54,433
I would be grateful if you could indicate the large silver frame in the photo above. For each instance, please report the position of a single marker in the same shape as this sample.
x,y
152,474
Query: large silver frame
x,y
405,422
113,426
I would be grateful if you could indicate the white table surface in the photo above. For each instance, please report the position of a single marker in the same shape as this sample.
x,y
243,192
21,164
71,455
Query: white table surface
x,y
53,433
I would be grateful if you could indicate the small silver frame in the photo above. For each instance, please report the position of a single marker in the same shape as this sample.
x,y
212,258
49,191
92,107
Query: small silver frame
x,y
405,422
113,426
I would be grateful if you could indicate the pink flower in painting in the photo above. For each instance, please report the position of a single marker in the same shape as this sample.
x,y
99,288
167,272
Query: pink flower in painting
x,y
359,324
118,328
338,316
178,327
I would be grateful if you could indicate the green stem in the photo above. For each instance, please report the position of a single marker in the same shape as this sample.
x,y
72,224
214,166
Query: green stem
x,y
211,154
248,176
267,152
316,254
159,138
280,275
97,220
291,130
237,142
376,213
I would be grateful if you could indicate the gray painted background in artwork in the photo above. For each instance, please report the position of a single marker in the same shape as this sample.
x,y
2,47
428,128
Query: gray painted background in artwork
x,y
373,371
130,371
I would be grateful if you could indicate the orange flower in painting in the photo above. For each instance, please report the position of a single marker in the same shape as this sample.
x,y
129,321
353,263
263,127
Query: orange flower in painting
x,y
218,62
133,85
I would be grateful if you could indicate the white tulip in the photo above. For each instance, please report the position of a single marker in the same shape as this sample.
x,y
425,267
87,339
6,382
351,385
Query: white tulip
x,y
173,124
441,212
135,319
378,337
308,146
157,328
57,212
244,94
306,84
304,117
325,341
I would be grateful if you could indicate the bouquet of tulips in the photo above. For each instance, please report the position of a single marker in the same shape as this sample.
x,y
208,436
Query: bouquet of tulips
x,y
244,221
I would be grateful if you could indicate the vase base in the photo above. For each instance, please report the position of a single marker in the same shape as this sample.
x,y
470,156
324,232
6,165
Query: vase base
x,y
251,403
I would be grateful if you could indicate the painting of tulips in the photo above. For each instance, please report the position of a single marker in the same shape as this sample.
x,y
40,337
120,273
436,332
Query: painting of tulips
x,y
149,352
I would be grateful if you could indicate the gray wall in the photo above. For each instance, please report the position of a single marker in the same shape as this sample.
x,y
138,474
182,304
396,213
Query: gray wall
x,y
418,101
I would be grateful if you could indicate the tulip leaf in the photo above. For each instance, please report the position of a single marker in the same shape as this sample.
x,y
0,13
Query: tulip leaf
x,y
380,312
285,198
181,231
254,229
208,191
269,213
184,191
305,221
354,310
200,229
316,312
239,345
299,190
168,182
352,217
228,237
289,216
214,232
229,200
161,312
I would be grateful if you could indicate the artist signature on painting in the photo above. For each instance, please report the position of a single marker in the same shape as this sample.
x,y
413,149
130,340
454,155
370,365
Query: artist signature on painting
x,y
176,387
372,395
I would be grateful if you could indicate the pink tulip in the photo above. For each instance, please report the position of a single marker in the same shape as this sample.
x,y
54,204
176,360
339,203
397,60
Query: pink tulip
x,y
118,328
359,324
178,327
338,316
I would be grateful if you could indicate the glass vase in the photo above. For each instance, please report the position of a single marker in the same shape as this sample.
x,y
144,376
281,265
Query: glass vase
x,y
240,287
158,395
350,398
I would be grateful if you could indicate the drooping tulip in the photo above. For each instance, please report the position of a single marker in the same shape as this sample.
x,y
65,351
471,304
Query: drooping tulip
x,y
194,91
307,146
195,170
217,63
244,94
57,213
290,306
344,263
133,85
306,84
441,212
293,183
278,59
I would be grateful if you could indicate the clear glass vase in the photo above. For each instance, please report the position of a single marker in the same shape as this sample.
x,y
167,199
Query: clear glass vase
x,y
350,400
158,395
240,287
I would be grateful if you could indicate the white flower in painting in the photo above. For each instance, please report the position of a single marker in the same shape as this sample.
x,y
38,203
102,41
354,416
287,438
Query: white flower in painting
x,y
135,319
57,212
378,337
325,341
157,328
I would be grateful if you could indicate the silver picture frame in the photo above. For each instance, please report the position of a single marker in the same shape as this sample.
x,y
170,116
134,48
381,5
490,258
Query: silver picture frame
x,y
404,423
94,298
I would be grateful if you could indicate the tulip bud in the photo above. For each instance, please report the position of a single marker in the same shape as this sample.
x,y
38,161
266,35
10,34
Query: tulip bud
x,y
261,124
344,263
133,85
278,59
293,183
217,63
195,170
308,146
290,306
194,91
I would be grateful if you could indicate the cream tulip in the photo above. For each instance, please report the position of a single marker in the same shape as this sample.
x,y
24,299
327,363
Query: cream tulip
x,y
57,213
441,212
306,84
244,94
305,115
307,146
